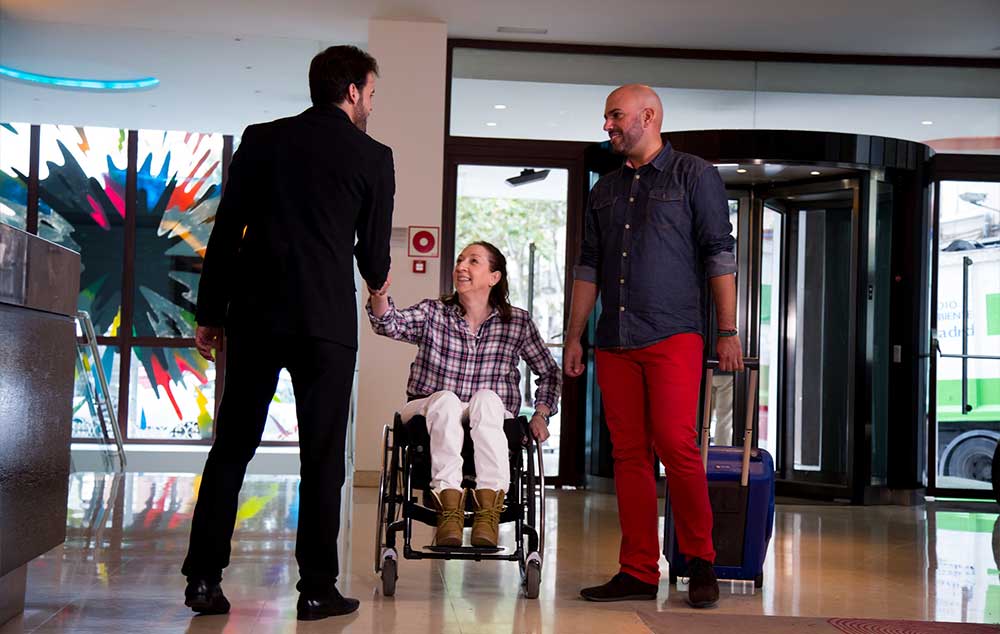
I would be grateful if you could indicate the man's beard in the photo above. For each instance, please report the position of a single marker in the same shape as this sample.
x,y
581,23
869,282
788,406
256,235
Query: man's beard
x,y
629,139
361,116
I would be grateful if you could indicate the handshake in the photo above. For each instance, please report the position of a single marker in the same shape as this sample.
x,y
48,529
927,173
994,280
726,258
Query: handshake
x,y
382,292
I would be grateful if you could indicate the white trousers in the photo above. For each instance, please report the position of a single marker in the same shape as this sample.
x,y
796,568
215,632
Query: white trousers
x,y
445,413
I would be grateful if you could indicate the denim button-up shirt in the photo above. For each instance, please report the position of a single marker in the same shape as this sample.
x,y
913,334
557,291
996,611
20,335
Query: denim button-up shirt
x,y
652,237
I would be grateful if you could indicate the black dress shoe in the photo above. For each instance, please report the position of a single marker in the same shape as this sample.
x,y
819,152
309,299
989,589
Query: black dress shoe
x,y
314,606
205,597
622,587
703,587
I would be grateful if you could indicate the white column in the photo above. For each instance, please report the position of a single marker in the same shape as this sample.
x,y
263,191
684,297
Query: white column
x,y
409,117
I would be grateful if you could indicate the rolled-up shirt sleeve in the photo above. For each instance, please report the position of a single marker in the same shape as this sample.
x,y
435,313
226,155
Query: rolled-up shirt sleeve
x,y
710,207
544,366
589,263
402,325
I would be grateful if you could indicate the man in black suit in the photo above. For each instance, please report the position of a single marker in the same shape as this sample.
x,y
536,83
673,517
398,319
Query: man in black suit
x,y
278,284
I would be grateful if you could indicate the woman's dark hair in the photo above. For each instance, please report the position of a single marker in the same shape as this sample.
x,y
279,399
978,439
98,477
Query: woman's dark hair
x,y
500,293
332,72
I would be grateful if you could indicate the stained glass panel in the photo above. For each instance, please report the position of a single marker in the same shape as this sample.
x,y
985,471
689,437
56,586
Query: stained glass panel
x,y
87,389
15,148
178,190
82,206
171,394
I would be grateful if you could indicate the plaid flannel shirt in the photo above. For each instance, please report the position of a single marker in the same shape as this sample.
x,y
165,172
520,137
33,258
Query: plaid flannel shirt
x,y
450,357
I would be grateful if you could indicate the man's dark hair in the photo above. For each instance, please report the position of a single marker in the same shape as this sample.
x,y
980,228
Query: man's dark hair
x,y
332,72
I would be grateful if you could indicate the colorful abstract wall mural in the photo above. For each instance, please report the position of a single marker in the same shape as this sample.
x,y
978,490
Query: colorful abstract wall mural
x,y
178,188
83,173
15,146
81,201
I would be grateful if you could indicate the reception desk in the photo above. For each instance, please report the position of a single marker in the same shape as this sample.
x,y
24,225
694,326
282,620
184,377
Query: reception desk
x,y
39,282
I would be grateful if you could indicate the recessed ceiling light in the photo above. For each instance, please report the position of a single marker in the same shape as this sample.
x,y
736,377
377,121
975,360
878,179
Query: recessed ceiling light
x,y
741,171
500,106
926,123
521,30
491,124
814,173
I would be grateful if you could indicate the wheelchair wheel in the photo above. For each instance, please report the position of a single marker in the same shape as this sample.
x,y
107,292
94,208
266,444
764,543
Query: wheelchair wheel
x,y
389,577
383,492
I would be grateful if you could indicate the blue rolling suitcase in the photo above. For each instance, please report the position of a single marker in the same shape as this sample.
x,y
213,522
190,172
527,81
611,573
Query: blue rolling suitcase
x,y
741,490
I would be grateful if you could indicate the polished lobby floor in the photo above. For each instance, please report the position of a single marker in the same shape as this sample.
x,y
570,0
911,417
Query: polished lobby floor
x,y
126,536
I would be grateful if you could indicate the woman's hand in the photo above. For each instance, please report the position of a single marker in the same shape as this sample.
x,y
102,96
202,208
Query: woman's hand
x,y
539,428
380,298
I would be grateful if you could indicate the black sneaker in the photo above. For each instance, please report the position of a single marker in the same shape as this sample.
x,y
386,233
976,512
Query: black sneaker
x,y
703,587
622,587
205,597
314,607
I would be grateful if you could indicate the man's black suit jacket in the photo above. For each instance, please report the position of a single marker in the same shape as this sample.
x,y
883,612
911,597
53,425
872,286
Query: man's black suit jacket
x,y
279,260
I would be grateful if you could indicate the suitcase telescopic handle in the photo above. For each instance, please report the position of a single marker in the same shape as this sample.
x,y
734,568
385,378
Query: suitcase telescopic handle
x,y
751,365
748,363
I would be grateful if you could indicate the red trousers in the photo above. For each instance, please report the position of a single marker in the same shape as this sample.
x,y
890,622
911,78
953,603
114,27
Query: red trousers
x,y
651,401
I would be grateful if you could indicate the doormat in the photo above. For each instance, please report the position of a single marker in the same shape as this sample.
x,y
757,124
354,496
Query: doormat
x,y
709,623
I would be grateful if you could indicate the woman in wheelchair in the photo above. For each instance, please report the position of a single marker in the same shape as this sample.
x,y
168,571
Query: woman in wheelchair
x,y
469,346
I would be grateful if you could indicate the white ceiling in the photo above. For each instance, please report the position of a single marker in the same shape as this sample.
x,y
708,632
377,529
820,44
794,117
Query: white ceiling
x,y
896,27
573,112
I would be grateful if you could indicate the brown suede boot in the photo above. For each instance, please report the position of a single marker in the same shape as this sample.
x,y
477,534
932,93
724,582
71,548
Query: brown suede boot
x,y
486,525
451,517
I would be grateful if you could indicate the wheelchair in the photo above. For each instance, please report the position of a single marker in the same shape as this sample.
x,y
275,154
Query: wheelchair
x,y
404,496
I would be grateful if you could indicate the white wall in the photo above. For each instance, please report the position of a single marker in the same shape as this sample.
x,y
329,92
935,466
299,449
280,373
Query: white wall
x,y
409,117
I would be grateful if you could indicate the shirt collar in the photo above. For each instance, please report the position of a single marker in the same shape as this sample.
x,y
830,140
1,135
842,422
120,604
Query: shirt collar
x,y
329,109
456,310
659,162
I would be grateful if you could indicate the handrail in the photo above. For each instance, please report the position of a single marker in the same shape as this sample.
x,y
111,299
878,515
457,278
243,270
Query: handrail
x,y
83,317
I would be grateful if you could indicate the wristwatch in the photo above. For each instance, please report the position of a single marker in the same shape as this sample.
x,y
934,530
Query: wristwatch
x,y
727,333
544,416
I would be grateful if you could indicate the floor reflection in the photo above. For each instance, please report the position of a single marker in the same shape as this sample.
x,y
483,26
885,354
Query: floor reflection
x,y
126,535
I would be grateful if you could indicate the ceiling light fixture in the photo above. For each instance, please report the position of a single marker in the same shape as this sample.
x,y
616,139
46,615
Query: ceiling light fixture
x,y
527,176
74,82
500,106
928,122
491,124
741,171
814,173
727,164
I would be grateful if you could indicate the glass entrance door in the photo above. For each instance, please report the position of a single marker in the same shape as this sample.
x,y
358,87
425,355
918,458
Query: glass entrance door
x,y
967,359
523,212
807,335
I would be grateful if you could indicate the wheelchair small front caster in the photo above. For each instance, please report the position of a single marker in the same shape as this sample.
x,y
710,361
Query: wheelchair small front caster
x,y
532,576
388,577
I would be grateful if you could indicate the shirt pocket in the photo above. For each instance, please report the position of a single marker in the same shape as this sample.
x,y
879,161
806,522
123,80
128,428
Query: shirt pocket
x,y
666,207
603,207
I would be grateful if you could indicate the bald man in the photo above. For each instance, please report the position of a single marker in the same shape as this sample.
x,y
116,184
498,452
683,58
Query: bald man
x,y
656,229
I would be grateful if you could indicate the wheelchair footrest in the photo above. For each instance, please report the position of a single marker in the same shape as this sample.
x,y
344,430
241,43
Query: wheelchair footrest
x,y
484,550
